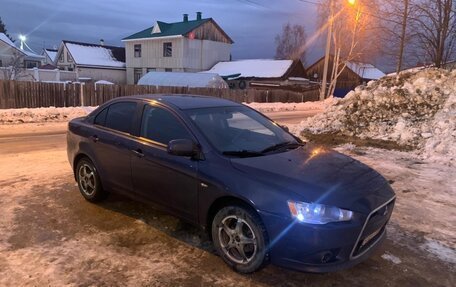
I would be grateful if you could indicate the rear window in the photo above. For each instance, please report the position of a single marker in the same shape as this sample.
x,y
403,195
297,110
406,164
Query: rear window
x,y
119,116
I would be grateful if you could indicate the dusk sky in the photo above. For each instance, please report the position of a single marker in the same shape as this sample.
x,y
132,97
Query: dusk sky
x,y
252,24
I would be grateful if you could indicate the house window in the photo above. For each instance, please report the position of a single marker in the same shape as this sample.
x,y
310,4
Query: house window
x,y
69,57
137,48
31,64
151,70
167,49
61,57
137,74
168,70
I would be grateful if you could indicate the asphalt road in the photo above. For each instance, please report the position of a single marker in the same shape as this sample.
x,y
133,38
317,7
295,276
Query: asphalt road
x,y
26,140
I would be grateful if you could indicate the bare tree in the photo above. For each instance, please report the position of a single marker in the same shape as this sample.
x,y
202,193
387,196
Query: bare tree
x,y
13,69
354,33
434,26
291,43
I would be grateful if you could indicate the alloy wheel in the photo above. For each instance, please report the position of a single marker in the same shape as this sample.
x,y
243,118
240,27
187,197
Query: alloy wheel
x,y
237,239
87,181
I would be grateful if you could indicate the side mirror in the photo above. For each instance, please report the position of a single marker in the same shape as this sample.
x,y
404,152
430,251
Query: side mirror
x,y
285,128
182,147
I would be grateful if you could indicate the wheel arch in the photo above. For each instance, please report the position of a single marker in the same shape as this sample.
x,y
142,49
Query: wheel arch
x,y
222,202
77,158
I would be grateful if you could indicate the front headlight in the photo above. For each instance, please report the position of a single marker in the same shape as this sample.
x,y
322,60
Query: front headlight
x,y
315,213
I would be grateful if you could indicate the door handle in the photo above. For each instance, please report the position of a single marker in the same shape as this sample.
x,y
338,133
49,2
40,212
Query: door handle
x,y
138,152
95,138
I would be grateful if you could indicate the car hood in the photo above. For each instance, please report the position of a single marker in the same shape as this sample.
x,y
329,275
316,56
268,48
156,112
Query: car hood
x,y
317,174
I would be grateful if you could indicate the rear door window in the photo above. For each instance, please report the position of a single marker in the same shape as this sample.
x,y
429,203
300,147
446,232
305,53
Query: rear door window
x,y
120,116
162,126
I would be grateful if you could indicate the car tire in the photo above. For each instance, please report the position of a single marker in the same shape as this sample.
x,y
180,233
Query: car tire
x,y
240,238
89,181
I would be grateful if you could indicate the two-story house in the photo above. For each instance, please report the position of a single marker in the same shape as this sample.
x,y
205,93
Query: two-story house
x,y
187,46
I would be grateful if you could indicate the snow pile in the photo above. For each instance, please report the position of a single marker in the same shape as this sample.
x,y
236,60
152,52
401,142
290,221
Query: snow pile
x,y
283,107
413,109
38,115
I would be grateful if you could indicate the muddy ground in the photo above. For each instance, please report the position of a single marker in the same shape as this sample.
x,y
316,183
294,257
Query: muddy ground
x,y
50,236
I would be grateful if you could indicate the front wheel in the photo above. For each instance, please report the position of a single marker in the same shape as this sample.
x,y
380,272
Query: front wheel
x,y
240,238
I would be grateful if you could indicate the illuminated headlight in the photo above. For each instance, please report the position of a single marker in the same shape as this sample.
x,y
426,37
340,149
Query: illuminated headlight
x,y
315,213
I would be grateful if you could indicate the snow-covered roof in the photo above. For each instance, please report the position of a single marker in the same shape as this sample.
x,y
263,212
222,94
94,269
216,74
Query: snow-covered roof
x,y
178,79
96,55
7,40
254,68
52,54
32,55
365,71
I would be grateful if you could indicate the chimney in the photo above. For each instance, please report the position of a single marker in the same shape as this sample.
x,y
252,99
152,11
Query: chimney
x,y
185,17
199,15
101,42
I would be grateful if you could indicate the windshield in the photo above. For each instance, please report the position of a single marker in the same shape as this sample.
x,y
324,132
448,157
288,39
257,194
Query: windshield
x,y
240,131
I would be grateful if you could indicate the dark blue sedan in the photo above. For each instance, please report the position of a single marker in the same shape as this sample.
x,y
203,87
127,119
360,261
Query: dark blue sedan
x,y
262,194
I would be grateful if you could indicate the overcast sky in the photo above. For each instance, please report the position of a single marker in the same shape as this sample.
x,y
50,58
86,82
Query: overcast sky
x,y
252,24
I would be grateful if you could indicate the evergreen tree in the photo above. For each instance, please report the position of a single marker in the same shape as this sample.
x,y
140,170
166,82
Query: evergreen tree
x,y
3,29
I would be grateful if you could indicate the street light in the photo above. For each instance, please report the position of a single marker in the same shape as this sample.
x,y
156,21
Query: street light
x,y
22,38
328,47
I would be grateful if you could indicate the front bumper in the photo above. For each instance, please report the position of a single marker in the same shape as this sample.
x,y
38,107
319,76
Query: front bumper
x,y
329,247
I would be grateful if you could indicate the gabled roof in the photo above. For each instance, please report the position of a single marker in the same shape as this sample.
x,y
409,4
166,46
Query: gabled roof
x,y
95,55
51,53
254,68
168,29
8,41
163,29
365,71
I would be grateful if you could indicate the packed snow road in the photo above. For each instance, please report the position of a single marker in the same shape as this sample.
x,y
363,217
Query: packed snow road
x,y
50,236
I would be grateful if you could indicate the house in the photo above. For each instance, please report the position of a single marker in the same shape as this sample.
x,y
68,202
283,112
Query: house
x,y
186,46
50,56
263,74
354,74
10,55
92,62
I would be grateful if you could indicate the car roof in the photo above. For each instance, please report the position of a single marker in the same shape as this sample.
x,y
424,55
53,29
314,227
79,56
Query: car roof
x,y
185,102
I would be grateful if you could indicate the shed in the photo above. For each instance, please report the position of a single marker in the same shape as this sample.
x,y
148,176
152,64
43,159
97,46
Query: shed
x,y
261,73
180,79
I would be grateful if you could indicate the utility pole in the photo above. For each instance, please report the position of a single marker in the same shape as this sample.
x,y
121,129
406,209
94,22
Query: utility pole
x,y
328,48
402,45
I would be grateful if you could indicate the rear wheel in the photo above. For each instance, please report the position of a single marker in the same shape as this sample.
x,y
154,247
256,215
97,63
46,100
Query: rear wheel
x,y
88,181
240,238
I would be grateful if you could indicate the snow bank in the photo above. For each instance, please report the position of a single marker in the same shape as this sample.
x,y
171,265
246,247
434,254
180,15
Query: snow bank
x,y
37,115
283,107
412,109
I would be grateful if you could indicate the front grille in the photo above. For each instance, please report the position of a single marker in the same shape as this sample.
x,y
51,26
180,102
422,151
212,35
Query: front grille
x,y
373,229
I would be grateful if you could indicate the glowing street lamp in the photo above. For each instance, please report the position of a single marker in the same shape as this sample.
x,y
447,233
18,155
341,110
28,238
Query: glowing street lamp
x,y
352,2
22,38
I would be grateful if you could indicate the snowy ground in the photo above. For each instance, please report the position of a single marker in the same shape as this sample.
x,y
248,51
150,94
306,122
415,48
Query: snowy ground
x,y
50,236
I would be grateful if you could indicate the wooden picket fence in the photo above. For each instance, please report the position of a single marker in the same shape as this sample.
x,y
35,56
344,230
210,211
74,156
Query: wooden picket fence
x,y
19,94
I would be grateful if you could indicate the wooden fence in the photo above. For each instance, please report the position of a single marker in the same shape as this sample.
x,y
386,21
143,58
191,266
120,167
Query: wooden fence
x,y
17,94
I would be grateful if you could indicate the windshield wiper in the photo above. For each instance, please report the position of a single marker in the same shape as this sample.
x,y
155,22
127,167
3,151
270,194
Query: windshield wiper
x,y
289,144
243,153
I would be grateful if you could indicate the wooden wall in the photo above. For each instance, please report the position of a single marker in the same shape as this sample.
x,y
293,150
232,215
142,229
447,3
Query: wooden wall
x,y
347,80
